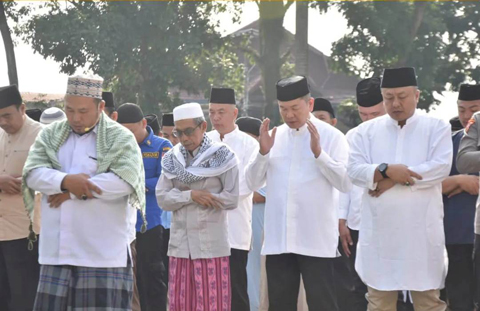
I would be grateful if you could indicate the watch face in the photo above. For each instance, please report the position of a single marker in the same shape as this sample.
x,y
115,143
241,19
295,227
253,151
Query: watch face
x,y
382,167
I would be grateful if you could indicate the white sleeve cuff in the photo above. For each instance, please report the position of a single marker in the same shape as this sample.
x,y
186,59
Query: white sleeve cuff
x,y
57,180
323,158
371,177
262,158
342,214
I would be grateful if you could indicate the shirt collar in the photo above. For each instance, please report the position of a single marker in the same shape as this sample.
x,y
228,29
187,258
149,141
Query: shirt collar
x,y
231,134
408,121
148,140
301,129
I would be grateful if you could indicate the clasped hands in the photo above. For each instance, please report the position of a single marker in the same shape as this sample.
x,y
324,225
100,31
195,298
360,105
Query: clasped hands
x,y
397,174
77,184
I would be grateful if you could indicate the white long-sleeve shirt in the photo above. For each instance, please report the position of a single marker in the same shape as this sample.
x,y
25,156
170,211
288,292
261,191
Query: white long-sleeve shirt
x,y
350,203
245,148
402,241
91,233
301,213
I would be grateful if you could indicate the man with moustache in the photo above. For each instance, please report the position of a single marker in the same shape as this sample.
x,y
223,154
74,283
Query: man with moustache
x,y
90,171
303,161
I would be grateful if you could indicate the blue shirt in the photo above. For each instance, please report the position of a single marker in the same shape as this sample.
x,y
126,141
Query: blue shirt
x,y
460,209
153,148
166,219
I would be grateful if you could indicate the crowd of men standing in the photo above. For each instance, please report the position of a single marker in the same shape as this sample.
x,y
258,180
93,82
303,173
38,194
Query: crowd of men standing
x,y
103,208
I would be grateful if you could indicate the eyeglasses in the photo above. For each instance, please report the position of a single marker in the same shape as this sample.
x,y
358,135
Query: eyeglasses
x,y
188,132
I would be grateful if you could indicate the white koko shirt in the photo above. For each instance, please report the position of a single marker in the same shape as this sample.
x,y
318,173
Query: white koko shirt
x,y
245,148
91,233
301,208
402,240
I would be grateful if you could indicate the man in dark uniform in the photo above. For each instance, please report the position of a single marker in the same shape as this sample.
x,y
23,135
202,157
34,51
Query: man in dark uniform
x,y
460,197
150,258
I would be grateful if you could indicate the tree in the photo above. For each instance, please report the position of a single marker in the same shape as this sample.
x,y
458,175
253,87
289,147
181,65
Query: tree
x,y
348,113
8,42
301,38
272,14
145,51
434,37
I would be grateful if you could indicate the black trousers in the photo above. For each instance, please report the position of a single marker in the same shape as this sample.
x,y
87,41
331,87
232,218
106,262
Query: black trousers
x,y
476,266
19,273
238,279
283,277
150,270
166,239
459,284
349,288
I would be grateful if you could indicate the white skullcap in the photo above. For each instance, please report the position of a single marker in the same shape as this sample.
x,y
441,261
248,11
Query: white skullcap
x,y
51,115
187,111
86,86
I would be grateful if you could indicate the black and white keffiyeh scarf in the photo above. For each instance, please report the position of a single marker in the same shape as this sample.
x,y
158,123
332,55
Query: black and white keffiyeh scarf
x,y
212,159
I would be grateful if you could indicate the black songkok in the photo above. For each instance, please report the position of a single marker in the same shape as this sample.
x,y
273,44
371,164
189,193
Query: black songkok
x,y
369,93
9,95
399,77
222,96
292,88
249,125
129,113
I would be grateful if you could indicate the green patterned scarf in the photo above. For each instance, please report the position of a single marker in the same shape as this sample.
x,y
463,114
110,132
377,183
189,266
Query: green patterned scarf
x,y
117,152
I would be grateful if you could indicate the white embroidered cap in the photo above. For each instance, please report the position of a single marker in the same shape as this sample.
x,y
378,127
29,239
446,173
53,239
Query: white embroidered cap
x,y
51,115
86,86
187,111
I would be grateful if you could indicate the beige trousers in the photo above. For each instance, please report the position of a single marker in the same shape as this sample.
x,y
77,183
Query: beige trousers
x,y
387,300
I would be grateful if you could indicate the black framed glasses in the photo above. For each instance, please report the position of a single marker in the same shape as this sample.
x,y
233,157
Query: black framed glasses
x,y
188,132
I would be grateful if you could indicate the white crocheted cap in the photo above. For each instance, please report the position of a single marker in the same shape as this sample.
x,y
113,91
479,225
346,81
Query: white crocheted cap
x,y
86,86
51,115
187,111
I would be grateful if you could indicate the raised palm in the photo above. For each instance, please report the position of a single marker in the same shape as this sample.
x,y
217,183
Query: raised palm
x,y
266,139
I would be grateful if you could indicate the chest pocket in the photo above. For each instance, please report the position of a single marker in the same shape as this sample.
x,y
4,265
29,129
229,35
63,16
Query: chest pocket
x,y
90,165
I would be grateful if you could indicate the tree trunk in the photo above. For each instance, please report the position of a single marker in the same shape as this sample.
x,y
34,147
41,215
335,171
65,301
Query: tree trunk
x,y
271,38
8,43
417,21
301,38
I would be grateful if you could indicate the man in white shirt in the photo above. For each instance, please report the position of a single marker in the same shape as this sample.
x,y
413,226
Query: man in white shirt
x,y
401,159
302,161
87,167
370,106
223,113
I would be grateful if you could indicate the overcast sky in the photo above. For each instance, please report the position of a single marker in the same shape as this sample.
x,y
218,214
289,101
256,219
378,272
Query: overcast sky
x,y
42,75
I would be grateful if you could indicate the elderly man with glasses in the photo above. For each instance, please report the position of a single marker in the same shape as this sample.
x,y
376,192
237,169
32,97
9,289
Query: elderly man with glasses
x,y
199,183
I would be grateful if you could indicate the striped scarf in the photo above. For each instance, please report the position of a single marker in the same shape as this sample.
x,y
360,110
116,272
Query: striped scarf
x,y
117,152
211,160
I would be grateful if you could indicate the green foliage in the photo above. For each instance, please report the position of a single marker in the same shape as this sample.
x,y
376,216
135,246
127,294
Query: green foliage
x,y
347,112
143,50
439,39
